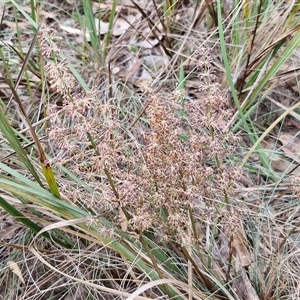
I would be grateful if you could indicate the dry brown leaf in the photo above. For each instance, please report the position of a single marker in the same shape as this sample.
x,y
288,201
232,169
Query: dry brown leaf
x,y
154,61
122,25
241,257
15,269
243,287
126,65
240,249
71,30
295,123
279,162
14,25
241,283
144,84
148,43
290,141
148,39
291,148
284,166
133,70
101,26
145,76
43,13
124,223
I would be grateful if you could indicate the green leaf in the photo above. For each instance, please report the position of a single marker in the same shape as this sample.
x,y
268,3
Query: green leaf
x,y
27,222
14,142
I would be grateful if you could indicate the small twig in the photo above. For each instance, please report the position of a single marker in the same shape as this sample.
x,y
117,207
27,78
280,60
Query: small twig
x,y
230,242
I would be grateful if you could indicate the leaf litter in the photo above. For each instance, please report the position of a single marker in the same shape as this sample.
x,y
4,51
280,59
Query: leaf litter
x,y
136,57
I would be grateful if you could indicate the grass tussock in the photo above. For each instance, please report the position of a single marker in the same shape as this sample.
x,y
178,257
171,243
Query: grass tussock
x,y
157,170
147,172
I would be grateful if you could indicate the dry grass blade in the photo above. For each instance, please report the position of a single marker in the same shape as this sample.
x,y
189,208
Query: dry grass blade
x,y
152,26
268,130
159,195
163,281
253,65
96,286
15,269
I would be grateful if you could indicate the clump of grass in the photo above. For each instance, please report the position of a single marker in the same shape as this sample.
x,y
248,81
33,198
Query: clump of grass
x,y
160,174
157,171
155,190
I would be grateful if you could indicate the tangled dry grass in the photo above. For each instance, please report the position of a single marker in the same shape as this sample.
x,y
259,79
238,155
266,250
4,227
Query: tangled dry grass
x,y
167,164
154,200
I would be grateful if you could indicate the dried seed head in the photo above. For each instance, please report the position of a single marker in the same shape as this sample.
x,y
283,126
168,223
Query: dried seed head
x,y
179,166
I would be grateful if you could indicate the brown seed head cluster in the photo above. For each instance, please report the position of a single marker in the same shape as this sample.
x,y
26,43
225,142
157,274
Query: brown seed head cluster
x,y
179,162
58,74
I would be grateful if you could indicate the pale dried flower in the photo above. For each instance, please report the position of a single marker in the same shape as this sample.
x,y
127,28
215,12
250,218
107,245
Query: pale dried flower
x,y
60,78
49,41
180,164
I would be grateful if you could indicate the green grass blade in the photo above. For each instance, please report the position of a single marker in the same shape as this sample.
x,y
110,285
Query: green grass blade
x,y
227,66
76,179
9,133
161,256
25,14
182,79
110,27
76,74
33,9
50,178
27,222
43,197
18,176
289,49
268,130
244,121
90,23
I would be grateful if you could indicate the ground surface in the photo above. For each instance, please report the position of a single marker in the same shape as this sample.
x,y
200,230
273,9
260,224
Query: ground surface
x,y
156,50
